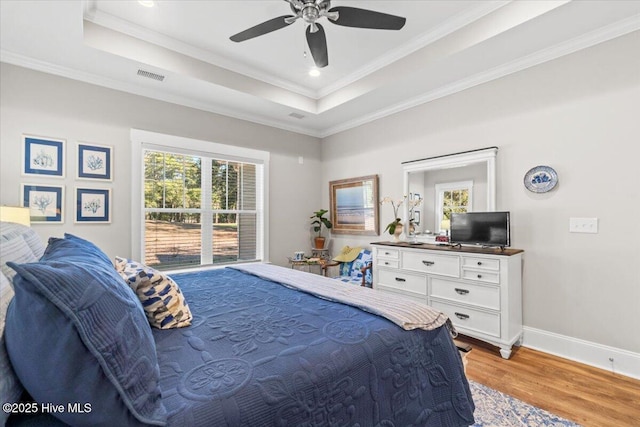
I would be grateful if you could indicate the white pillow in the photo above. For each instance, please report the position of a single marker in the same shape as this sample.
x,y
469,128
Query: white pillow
x,y
10,387
17,250
10,230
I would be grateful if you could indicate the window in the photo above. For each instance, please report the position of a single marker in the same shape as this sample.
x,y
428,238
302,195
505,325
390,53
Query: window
x,y
199,207
452,197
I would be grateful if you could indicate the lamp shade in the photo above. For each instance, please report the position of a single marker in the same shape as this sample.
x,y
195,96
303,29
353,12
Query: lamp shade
x,y
445,224
15,214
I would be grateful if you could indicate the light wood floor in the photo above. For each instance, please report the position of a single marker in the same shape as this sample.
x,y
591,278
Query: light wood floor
x,y
577,392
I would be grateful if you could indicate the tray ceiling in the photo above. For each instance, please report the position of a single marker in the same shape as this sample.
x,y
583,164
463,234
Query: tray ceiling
x,y
180,52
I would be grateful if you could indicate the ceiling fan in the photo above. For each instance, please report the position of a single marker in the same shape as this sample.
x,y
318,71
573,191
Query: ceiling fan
x,y
312,10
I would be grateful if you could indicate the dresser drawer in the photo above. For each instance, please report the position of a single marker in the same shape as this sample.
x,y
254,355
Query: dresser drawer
x,y
481,276
468,293
427,262
476,320
390,263
480,263
409,283
388,253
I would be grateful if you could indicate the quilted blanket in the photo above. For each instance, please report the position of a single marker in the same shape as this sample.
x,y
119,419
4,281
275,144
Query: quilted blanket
x,y
262,354
403,312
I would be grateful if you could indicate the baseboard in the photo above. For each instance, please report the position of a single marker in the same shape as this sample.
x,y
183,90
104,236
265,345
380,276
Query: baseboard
x,y
612,359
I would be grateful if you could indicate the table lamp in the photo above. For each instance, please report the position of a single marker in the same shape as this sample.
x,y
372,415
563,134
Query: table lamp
x,y
15,214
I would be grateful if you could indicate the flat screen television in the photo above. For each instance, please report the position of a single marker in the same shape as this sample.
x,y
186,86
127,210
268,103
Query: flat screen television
x,y
481,228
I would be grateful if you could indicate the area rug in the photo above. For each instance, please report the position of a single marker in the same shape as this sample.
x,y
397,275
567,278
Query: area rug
x,y
496,409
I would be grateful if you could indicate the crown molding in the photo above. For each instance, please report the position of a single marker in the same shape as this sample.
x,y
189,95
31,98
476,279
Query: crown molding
x,y
601,35
454,24
153,93
584,41
114,23
459,21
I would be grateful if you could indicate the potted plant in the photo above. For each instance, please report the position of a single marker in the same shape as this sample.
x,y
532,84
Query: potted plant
x,y
318,221
394,227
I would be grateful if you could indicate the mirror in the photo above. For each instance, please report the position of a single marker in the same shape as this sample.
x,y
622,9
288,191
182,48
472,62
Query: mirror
x,y
433,176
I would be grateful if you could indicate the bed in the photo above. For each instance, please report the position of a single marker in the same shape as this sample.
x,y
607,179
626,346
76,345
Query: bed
x,y
266,346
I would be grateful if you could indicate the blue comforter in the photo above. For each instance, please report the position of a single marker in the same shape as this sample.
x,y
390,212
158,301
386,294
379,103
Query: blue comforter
x,y
261,354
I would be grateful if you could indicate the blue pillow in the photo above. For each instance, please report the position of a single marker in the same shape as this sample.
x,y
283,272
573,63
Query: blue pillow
x,y
76,333
73,248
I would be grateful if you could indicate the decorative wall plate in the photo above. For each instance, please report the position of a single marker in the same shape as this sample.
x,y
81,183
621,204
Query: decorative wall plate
x,y
540,179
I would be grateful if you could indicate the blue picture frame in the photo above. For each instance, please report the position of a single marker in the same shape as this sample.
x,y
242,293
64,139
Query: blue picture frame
x,y
93,205
95,162
45,202
43,156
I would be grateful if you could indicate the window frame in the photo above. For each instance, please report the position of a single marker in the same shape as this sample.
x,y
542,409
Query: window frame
x,y
450,186
142,140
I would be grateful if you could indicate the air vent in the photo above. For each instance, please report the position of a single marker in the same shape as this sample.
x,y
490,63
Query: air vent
x,y
297,115
150,75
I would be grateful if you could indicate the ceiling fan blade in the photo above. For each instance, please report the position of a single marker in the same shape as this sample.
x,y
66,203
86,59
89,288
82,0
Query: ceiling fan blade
x,y
318,46
261,29
363,18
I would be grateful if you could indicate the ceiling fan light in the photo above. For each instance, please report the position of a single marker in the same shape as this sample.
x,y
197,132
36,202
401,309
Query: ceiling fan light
x,y
332,15
310,13
314,27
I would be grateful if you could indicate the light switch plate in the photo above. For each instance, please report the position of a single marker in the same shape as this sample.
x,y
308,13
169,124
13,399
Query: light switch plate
x,y
583,225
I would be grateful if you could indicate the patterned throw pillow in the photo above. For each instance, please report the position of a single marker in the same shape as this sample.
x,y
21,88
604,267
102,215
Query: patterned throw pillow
x,y
161,298
364,258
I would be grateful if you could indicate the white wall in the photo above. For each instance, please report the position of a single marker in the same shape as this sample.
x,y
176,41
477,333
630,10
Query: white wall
x,y
41,104
578,114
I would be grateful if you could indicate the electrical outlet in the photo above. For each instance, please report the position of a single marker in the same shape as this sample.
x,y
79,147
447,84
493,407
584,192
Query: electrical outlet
x,y
583,225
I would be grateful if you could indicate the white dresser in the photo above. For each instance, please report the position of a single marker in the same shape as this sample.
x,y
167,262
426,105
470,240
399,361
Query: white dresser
x,y
480,289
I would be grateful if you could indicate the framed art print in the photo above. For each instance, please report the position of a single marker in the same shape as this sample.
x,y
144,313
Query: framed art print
x,y
354,205
416,217
43,156
95,162
93,205
45,202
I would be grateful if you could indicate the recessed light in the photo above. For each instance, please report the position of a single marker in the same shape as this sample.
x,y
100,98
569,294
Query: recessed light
x,y
147,3
314,72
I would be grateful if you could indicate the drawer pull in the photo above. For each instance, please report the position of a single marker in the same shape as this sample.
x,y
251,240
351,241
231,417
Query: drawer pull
x,y
387,253
462,316
386,263
479,276
400,279
462,291
428,263
479,262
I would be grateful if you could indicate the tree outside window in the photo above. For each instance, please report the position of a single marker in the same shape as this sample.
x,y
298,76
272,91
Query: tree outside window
x,y
452,197
184,227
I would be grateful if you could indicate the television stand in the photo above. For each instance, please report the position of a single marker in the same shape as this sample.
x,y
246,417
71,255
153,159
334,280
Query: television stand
x,y
478,288
502,248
